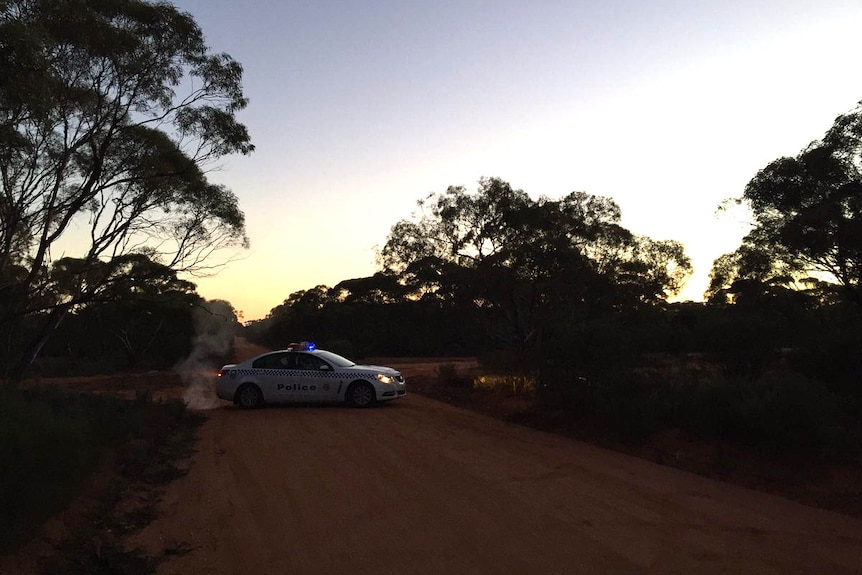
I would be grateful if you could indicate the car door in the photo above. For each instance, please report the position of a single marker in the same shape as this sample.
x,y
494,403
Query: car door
x,y
315,376
273,372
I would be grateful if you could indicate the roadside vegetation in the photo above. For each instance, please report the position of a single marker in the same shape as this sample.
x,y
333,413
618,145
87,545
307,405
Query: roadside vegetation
x,y
783,397
53,442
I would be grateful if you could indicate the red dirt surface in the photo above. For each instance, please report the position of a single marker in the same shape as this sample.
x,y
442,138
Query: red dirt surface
x,y
421,487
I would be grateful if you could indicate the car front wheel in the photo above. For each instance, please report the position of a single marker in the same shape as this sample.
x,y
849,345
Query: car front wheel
x,y
249,396
361,394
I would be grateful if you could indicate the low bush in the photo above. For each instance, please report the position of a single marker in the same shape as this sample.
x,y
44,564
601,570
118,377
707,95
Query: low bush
x,y
451,379
507,385
781,413
44,455
51,441
831,353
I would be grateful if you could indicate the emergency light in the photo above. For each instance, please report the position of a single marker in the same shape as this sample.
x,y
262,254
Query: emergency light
x,y
302,346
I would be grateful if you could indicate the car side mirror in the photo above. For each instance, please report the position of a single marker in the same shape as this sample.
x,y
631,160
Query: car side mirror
x,y
325,367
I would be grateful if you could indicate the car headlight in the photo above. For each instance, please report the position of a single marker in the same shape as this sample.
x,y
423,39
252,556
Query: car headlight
x,y
383,378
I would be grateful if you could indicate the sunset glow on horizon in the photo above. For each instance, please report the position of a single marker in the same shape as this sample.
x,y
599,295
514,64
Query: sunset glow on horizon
x,y
357,110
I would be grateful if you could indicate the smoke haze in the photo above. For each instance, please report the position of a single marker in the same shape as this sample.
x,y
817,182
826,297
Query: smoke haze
x,y
215,328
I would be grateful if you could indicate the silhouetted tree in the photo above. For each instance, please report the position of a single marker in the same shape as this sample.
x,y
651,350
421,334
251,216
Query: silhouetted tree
x,y
141,316
533,261
109,113
381,288
807,219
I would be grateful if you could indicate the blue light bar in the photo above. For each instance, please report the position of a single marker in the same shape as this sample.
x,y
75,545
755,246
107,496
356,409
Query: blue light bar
x,y
303,346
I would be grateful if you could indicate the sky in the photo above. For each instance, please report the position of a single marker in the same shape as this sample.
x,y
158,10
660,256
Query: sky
x,y
359,108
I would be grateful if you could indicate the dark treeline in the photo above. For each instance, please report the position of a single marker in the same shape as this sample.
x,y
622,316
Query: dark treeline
x,y
144,318
749,339
488,270
780,373
558,291
360,325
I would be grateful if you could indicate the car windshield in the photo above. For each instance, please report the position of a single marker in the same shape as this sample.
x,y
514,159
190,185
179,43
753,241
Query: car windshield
x,y
334,358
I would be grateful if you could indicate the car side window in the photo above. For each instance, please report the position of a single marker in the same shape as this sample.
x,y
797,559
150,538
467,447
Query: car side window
x,y
310,362
261,362
275,361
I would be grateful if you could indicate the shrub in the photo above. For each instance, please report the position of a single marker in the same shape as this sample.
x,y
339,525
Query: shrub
x,y
618,399
448,377
830,352
51,440
780,413
508,384
790,413
44,455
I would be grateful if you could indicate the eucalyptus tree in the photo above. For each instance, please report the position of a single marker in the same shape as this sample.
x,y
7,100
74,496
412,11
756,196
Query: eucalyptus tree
x,y
111,114
535,261
807,213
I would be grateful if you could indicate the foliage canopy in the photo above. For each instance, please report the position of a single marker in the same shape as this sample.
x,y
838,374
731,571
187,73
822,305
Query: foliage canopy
x,y
531,260
807,220
110,113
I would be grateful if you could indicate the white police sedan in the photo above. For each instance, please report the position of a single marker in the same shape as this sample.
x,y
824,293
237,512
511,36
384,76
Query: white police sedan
x,y
302,373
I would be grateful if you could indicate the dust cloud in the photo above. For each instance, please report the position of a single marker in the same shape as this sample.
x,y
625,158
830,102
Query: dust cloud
x,y
215,327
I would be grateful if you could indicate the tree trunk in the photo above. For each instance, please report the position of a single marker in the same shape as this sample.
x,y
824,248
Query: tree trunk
x,y
32,351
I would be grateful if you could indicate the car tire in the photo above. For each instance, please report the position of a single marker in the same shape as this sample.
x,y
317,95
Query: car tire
x,y
248,396
361,394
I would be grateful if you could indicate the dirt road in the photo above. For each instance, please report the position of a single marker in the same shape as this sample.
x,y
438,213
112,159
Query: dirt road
x,y
419,487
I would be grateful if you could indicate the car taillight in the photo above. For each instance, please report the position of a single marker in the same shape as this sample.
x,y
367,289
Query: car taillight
x,y
221,372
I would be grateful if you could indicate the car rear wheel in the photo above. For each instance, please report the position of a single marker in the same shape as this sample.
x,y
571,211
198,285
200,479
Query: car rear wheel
x,y
249,396
361,394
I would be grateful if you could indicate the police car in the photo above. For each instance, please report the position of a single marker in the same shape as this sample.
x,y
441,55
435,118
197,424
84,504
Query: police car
x,y
302,373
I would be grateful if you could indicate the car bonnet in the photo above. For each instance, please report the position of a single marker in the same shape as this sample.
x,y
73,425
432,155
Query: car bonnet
x,y
380,368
